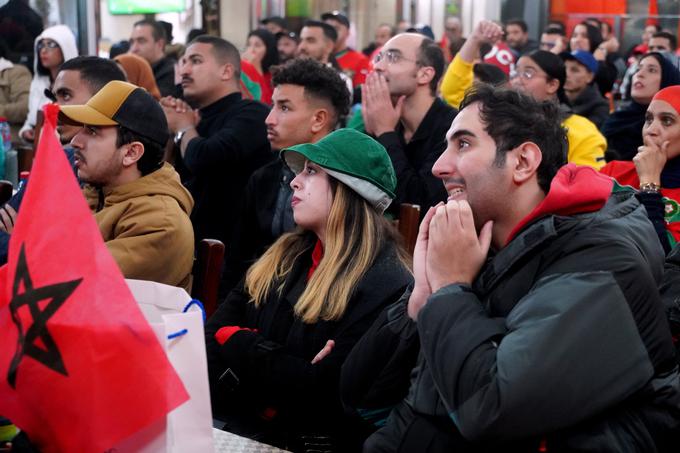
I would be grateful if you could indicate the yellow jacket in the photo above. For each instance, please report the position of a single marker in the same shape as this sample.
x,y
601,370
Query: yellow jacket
x,y
586,144
456,81
146,227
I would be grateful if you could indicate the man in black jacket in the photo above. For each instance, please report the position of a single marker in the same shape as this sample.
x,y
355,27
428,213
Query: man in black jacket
x,y
558,341
223,141
148,40
309,99
401,109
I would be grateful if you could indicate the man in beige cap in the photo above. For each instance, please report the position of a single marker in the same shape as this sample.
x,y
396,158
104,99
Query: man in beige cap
x,y
140,205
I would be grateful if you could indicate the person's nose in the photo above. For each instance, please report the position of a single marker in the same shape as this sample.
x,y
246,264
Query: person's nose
x,y
445,164
295,184
77,140
271,118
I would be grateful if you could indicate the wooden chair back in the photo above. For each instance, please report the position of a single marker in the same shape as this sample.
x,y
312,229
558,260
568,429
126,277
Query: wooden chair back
x,y
207,273
408,223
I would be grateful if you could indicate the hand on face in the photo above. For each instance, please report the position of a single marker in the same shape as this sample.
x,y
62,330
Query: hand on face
x,y
179,114
379,114
650,160
455,254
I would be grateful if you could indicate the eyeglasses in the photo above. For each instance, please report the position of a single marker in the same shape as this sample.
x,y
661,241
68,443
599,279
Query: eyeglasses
x,y
526,74
391,57
47,44
548,45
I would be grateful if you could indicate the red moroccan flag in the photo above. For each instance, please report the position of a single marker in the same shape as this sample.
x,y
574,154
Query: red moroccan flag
x,y
80,368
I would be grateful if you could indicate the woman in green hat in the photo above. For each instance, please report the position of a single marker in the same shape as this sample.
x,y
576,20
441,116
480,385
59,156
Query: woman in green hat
x,y
276,345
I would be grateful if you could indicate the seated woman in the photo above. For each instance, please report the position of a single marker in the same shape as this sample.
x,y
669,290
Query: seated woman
x,y
262,53
655,169
276,344
53,47
623,127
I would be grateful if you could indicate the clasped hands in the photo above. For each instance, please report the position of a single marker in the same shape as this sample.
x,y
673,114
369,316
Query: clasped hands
x,y
179,114
448,250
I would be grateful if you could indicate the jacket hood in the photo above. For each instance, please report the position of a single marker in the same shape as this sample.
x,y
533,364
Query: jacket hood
x,y
588,100
164,181
63,36
575,189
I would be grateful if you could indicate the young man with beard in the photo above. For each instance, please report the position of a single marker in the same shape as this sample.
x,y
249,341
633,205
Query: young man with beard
x,y
317,40
354,64
309,99
401,109
555,341
222,138
148,40
138,201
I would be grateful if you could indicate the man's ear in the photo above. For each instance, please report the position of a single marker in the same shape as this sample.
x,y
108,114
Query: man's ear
x,y
425,75
227,71
526,159
320,120
553,86
133,152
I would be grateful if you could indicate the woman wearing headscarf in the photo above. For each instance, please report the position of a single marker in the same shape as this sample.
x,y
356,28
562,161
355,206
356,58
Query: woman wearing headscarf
x,y
623,128
53,47
139,72
655,169
276,344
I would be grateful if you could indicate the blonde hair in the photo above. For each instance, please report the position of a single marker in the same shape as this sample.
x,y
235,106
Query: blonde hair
x,y
355,234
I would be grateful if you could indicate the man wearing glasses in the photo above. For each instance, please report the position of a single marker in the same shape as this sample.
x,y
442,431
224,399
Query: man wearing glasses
x,y
400,108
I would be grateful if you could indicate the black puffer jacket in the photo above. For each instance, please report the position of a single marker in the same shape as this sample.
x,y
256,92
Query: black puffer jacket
x,y
271,371
561,343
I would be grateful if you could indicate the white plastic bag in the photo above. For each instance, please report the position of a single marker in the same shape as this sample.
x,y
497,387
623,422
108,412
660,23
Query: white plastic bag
x,y
178,323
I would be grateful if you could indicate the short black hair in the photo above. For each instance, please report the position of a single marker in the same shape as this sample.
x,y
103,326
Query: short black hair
x,y
554,30
94,71
318,80
194,32
328,30
119,48
558,24
512,118
673,41
430,54
489,73
157,29
152,159
223,50
520,23
271,56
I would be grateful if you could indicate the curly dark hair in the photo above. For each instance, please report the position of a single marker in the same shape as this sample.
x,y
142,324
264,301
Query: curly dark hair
x,y
271,56
512,118
319,81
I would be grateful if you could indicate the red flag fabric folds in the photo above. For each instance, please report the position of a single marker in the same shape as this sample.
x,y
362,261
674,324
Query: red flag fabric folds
x,y
80,367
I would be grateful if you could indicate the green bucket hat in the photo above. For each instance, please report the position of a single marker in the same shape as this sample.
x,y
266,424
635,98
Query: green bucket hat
x,y
353,158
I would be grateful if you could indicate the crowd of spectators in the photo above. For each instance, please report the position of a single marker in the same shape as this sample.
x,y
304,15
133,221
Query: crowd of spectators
x,y
539,309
